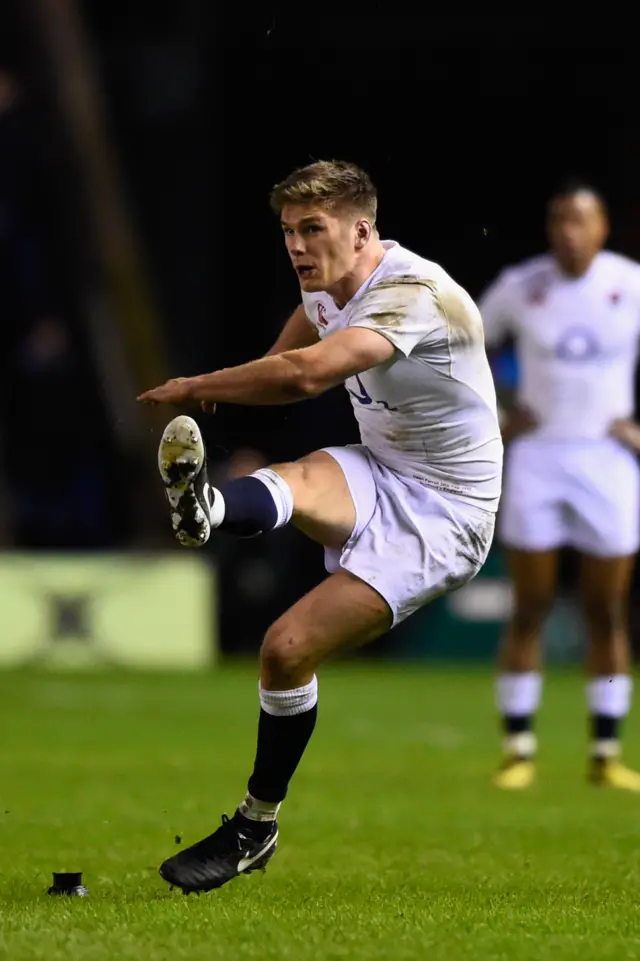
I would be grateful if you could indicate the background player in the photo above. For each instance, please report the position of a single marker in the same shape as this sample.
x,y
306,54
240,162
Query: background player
x,y
403,517
571,477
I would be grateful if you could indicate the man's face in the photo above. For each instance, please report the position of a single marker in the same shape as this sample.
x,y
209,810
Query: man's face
x,y
322,244
577,227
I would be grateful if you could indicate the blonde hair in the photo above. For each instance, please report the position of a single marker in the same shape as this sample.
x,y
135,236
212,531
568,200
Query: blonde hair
x,y
330,183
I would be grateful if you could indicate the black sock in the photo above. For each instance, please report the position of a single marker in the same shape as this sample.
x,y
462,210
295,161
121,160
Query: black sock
x,y
249,507
518,734
517,723
604,727
281,743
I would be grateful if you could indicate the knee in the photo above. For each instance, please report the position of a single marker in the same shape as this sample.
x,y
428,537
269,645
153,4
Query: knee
x,y
530,612
286,655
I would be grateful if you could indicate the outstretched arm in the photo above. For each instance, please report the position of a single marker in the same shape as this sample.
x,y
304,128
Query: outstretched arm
x,y
282,378
297,332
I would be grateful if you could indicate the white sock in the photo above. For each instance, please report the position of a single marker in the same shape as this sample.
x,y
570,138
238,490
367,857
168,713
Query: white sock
x,y
257,810
610,695
519,694
286,703
280,491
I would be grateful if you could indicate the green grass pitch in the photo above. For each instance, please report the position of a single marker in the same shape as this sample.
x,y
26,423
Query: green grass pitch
x,y
393,843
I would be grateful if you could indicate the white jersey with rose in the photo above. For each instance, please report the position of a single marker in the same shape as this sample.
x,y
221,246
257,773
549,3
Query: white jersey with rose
x,y
430,412
576,341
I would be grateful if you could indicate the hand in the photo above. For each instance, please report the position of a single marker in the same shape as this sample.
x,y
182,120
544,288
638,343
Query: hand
x,y
627,431
515,421
176,391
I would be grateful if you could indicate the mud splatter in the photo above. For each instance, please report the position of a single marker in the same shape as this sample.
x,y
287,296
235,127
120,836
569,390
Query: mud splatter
x,y
387,318
474,540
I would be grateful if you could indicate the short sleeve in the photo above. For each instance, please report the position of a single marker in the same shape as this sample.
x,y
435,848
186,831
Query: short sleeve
x,y
403,309
497,309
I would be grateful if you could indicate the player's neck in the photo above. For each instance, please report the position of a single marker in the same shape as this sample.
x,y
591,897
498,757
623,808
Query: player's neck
x,y
574,271
350,284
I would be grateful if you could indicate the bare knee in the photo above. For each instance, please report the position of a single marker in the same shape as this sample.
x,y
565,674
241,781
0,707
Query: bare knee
x,y
286,655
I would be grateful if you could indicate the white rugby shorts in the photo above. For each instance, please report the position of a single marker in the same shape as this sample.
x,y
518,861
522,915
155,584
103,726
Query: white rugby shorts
x,y
580,494
411,542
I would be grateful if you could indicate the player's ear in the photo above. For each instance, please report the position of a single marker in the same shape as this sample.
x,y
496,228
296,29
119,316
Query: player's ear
x,y
363,233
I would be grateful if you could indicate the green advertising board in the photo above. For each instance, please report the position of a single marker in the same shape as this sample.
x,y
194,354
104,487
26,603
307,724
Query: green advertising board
x,y
148,611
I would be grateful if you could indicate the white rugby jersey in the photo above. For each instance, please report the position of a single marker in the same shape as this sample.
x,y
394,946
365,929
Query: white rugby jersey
x,y
430,412
576,340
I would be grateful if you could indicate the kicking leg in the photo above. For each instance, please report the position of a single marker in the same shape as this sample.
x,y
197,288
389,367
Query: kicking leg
x,y
341,612
311,492
519,683
604,590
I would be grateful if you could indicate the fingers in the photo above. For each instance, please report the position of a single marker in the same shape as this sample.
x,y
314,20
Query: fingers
x,y
173,392
159,395
146,397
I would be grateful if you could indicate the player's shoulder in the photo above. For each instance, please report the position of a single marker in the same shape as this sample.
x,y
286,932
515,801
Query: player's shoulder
x,y
405,265
426,292
402,268
619,265
618,273
522,274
